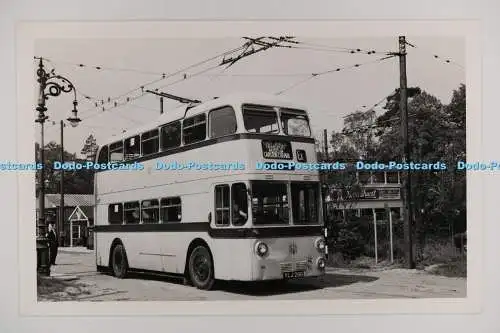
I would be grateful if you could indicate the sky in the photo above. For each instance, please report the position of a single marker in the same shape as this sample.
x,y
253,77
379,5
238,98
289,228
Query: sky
x,y
126,64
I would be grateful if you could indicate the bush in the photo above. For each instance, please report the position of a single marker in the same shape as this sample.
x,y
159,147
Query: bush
x,y
439,252
454,268
347,239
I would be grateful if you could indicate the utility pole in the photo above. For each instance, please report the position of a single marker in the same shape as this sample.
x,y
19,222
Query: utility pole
x,y
407,197
324,191
60,224
325,139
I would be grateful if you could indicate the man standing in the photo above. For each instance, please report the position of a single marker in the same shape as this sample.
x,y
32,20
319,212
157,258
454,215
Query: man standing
x,y
53,242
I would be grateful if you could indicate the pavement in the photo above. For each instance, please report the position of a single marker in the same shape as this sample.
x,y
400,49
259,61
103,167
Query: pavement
x,y
75,249
336,284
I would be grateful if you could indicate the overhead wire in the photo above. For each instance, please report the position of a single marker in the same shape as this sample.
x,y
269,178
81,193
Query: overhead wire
x,y
131,99
338,69
435,56
351,50
112,100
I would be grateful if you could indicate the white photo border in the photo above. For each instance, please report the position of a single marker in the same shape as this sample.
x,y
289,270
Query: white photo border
x,y
29,32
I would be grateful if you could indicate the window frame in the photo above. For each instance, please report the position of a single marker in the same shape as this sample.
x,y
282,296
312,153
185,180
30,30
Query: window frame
x,y
231,197
253,108
178,143
110,151
209,121
104,151
152,207
296,188
110,209
137,138
149,139
183,130
222,208
296,112
125,210
167,206
279,204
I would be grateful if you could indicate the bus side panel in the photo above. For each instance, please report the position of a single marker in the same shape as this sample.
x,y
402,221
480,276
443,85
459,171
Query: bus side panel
x,y
102,247
102,240
142,250
232,258
176,258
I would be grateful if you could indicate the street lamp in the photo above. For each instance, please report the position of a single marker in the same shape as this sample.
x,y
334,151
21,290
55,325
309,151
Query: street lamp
x,y
74,120
48,86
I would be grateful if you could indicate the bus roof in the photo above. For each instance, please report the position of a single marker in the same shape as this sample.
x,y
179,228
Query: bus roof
x,y
232,99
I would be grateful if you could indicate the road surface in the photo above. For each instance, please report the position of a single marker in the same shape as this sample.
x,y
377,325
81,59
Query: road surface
x,y
336,284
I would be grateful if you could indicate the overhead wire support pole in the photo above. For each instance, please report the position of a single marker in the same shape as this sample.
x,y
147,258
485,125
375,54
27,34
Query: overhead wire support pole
x,y
406,186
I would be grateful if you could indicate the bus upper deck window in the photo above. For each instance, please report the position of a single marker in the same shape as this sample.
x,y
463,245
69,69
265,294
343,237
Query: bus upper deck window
x,y
222,122
171,135
194,129
260,119
116,152
150,142
132,148
295,123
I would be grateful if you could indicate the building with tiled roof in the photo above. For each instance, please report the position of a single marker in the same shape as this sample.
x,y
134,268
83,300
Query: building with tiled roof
x,y
78,217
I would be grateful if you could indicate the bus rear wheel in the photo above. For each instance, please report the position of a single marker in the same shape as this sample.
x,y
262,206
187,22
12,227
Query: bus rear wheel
x,y
119,262
201,268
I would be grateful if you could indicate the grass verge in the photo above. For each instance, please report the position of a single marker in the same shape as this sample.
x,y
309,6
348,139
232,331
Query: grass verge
x,y
455,268
51,289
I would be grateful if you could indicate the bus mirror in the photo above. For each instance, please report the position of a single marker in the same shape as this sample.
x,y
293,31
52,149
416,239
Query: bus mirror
x,y
209,217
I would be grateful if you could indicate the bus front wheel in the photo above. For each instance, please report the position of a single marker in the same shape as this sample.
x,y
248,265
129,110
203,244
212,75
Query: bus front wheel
x,y
201,268
119,262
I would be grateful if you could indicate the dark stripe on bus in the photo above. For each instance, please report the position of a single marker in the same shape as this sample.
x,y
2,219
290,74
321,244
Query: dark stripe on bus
x,y
266,232
209,142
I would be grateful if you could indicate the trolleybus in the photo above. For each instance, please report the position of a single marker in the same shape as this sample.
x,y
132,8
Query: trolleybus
x,y
210,192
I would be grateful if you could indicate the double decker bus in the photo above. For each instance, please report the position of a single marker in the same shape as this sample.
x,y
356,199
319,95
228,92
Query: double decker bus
x,y
214,195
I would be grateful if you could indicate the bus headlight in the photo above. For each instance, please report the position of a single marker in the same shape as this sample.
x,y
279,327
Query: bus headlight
x,y
319,244
261,249
321,263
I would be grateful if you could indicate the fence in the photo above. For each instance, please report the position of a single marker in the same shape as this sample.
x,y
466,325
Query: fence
x,y
356,238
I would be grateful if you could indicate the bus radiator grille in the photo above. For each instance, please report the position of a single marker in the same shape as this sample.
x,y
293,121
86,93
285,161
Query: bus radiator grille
x,y
293,266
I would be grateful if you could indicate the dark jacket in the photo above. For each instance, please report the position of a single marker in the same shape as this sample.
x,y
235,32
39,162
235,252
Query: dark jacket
x,y
52,238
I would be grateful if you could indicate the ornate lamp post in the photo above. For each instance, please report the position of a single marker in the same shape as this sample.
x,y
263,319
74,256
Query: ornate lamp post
x,y
48,86
60,228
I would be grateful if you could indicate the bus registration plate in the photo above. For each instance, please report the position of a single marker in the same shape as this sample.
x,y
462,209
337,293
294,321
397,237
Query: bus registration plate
x,y
293,275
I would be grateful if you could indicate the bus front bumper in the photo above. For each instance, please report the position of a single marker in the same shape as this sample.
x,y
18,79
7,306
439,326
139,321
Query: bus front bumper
x,y
291,269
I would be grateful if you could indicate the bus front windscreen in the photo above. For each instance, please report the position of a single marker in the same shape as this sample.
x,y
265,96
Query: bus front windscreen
x,y
270,203
305,203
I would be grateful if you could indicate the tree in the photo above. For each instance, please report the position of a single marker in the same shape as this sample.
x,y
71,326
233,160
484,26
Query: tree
x,y
90,148
436,134
359,133
392,107
75,181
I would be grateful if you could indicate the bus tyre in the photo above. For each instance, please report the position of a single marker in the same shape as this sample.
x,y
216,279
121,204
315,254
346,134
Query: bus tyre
x,y
201,268
119,262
